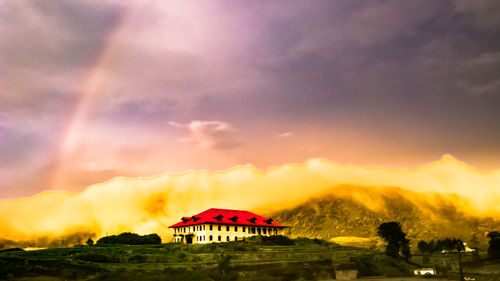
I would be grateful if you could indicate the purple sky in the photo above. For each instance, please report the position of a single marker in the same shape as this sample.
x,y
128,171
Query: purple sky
x,y
94,89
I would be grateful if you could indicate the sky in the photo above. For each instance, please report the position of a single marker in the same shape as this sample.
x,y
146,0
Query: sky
x,y
95,89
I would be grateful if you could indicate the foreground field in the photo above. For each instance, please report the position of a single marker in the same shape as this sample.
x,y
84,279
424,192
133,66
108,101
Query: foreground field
x,y
244,260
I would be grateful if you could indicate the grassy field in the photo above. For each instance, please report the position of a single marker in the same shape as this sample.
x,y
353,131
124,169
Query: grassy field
x,y
242,260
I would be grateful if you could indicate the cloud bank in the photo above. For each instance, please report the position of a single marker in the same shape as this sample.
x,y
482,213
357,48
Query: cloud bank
x,y
147,205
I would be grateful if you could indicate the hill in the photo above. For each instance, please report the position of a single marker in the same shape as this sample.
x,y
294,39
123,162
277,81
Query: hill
x,y
353,211
253,259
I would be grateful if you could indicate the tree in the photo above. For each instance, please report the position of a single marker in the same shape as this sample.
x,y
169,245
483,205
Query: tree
x,y
90,242
405,249
128,238
423,246
458,245
431,246
494,244
396,240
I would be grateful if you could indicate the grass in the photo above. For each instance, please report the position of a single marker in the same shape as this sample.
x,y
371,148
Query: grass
x,y
254,259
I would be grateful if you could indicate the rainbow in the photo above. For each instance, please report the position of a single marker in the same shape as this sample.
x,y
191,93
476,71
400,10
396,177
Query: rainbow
x,y
91,89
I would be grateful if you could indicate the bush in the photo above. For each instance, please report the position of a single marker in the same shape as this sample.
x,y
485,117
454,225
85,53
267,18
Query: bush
x,y
447,244
128,238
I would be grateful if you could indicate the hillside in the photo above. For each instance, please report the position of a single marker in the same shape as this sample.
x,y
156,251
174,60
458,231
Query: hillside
x,y
358,211
252,259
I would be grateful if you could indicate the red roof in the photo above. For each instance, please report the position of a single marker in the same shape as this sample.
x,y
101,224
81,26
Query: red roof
x,y
225,216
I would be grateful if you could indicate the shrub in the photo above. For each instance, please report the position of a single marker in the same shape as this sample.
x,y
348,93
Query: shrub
x,y
128,238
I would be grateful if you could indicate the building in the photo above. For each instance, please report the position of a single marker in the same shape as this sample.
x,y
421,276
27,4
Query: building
x,y
222,225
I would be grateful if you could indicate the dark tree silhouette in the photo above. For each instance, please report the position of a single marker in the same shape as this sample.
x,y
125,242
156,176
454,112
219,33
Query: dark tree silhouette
x,y
90,242
128,238
458,245
423,246
405,249
494,244
447,244
396,240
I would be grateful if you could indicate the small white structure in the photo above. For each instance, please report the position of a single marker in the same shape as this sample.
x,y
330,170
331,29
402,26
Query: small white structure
x,y
425,271
223,225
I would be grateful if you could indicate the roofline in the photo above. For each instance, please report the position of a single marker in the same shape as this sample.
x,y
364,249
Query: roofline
x,y
217,223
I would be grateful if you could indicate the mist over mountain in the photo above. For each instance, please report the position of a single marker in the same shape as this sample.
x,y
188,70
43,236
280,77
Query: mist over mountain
x,y
318,198
357,211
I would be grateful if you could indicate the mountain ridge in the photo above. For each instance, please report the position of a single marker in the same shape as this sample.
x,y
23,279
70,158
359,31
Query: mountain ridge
x,y
357,211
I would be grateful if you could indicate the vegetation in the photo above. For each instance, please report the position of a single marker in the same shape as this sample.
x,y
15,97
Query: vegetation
x,y
397,244
447,245
256,258
272,240
128,238
494,244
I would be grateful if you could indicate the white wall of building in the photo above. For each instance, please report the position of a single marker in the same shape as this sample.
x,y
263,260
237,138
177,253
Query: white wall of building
x,y
201,234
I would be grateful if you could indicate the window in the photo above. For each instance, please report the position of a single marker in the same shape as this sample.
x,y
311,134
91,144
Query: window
x,y
227,228
264,230
236,229
219,238
211,228
203,227
235,238
227,238
219,228
210,237
243,229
